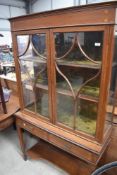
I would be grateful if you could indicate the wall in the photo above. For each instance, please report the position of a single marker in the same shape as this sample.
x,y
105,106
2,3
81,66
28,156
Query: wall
x,y
6,39
97,1
43,5
14,8
9,9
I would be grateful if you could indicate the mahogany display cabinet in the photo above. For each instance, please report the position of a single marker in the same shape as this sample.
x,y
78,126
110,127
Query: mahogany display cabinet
x,y
66,73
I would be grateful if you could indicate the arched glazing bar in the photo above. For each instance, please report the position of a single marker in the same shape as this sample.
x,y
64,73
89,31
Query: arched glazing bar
x,y
77,42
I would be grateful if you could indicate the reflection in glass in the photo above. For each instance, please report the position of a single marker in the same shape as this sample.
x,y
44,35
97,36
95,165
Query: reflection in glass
x,y
23,41
63,43
33,72
39,44
32,46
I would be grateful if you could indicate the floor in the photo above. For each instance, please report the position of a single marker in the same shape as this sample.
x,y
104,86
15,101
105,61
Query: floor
x,y
11,162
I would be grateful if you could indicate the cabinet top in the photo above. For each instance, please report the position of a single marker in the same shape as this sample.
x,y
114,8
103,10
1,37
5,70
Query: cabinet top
x,y
91,14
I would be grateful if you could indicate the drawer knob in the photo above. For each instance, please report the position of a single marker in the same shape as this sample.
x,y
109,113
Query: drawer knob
x,y
24,124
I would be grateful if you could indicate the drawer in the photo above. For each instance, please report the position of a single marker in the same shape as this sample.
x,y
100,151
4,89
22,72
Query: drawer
x,y
72,148
33,129
59,142
25,125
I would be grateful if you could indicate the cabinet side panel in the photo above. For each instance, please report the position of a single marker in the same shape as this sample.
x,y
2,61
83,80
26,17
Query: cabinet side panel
x,y
105,80
116,16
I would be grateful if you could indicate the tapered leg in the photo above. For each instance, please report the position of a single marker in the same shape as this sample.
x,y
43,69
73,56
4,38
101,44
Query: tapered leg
x,y
22,144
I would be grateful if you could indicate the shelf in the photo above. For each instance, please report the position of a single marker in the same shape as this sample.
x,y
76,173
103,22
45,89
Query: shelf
x,y
32,59
79,64
65,92
81,96
40,86
89,98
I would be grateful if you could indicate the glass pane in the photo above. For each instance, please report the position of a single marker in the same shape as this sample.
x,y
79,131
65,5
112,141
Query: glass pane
x,y
92,44
63,43
91,88
33,73
33,64
23,41
39,43
86,116
65,108
32,46
27,74
77,77
83,48
28,95
42,102
35,82
41,90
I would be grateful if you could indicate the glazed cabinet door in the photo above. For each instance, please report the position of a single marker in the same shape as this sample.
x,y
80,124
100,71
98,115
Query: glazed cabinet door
x,y
78,65
33,58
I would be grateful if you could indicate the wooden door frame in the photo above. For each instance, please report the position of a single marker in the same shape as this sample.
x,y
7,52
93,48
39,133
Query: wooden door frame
x,y
105,74
18,74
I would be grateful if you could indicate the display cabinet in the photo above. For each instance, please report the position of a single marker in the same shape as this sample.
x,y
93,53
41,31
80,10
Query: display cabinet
x,y
66,76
